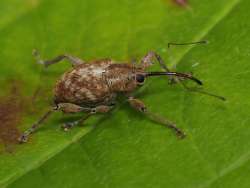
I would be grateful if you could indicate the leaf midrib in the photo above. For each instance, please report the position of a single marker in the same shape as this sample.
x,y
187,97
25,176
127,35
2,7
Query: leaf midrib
x,y
215,20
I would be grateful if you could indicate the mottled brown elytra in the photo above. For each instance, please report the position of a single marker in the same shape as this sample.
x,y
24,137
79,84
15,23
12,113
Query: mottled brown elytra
x,y
92,87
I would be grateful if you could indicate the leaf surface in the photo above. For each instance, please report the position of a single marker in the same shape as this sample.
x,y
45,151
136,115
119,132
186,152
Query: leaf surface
x,y
125,149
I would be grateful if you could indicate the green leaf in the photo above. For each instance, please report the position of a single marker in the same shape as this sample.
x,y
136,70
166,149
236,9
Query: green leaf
x,y
125,149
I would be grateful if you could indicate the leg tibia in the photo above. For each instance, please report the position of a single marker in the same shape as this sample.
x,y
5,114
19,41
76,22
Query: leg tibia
x,y
139,106
73,60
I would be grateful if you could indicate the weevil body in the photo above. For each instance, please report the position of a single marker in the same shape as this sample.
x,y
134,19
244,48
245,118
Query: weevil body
x,y
92,87
96,83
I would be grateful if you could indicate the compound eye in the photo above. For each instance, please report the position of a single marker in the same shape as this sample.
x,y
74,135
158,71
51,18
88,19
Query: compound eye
x,y
140,78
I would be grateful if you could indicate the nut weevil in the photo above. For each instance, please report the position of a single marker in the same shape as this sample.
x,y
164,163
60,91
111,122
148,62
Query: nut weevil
x,y
92,87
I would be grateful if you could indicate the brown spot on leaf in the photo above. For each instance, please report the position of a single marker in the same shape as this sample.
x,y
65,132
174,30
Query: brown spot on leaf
x,y
181,2
11,108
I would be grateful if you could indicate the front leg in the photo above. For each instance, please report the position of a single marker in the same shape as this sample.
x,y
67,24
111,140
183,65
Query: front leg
x,y
147,61
140,106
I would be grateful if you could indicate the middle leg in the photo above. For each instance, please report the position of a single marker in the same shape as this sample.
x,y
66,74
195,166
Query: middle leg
x,y
90,112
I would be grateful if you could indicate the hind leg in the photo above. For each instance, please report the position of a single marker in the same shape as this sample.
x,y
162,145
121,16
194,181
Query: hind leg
x,y
65,107
73,60
24,137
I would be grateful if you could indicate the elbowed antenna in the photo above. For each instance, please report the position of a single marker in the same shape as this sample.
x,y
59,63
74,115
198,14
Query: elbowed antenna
x,y
187,43
183,75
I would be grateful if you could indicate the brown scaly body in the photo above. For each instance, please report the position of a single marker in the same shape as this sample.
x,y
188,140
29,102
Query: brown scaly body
x,y
92,87
95,83
84,85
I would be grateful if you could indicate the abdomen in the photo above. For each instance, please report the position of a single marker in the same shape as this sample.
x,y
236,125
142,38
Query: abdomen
x,y
84,85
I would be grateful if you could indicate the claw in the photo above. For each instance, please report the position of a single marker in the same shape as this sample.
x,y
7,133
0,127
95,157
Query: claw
x,y
67,126
180,134
23,139
37,56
